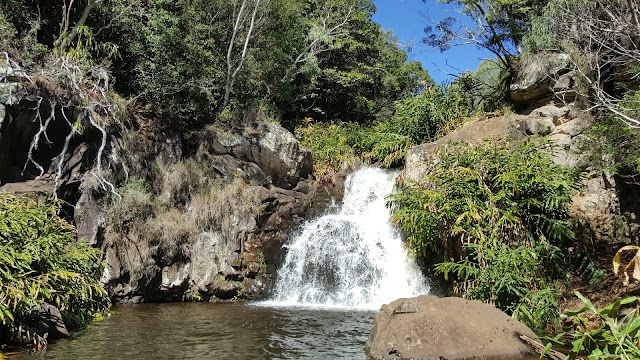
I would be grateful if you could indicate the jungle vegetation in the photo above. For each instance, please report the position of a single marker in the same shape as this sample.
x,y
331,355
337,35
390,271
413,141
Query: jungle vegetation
x,y
496,224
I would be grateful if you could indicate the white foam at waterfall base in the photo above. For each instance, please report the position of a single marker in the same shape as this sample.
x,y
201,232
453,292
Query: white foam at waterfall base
x,y
352,258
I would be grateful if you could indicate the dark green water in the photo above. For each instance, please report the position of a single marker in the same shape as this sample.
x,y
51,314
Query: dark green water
x,y
216,331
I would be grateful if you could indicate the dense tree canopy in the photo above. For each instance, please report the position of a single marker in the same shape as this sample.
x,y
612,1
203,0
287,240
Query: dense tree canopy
x,y
200,61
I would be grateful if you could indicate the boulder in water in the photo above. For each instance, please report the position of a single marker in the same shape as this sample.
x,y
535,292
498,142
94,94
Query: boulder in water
x,y
428,327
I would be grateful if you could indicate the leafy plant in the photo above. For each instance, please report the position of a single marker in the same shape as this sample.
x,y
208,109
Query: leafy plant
x,y
614,336
633,267
433,112
496,214
41,261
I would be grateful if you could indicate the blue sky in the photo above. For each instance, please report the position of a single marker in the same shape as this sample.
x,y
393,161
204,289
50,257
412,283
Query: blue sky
x,y
407,19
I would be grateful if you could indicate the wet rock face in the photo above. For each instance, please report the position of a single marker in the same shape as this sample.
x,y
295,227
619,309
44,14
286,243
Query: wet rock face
x,y
428,327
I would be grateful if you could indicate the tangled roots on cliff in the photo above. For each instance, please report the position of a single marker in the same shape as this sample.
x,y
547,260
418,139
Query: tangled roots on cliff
x,y
70,93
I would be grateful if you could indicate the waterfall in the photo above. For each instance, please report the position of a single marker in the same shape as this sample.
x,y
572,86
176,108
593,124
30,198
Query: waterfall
x,y
352,256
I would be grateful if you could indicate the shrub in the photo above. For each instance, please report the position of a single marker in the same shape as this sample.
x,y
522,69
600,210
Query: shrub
x,y
613,146
432,113
337,145
224,208
606,333
496,214
41,261
169,233
331,146
144,227
183,179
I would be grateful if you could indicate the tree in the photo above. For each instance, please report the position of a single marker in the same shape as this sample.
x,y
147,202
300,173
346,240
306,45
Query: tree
x,y
495,25
602,39
66,37
248,14
362,73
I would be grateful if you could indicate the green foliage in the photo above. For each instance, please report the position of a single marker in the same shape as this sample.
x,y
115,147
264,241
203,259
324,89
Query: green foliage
x,y
416,119
613,146
487,86
499,25
496,214
495,25
430,114
331,146
615,335
336,145
41,261
325,59
543,33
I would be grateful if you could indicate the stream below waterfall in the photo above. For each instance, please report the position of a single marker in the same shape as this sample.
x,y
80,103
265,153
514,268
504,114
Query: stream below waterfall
x,y
339,269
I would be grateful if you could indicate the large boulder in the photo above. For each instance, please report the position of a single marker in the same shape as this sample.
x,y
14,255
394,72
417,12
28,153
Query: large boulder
x,y
420,159
544,77
428,327
274,149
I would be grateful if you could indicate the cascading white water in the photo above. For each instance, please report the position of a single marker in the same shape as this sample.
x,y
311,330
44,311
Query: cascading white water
x,y
352,257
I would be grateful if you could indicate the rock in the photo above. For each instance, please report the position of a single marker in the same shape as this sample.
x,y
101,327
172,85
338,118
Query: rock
x,y
208,257
226,290
112,270
229,168
170,149
275,150
302,187
563,87
89,218
272,249
289,194
557,114
538,125
422,157
562,141
51,322
174,277
573,127
428,327
535,81
263,193
43,186
278,220
11,74
596,210
10,85
132,300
